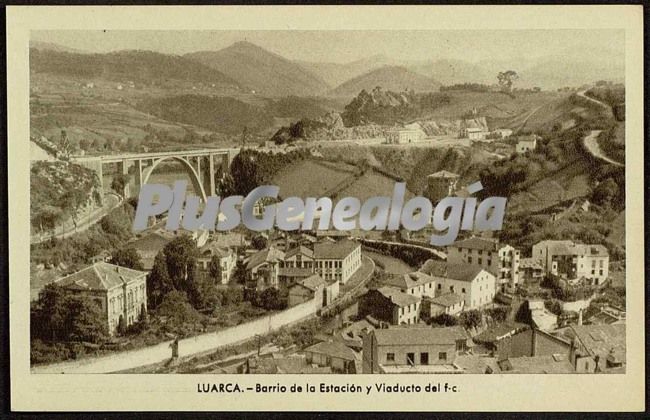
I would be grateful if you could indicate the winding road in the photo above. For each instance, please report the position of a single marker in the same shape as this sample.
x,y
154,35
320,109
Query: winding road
x,y
591,144
591,140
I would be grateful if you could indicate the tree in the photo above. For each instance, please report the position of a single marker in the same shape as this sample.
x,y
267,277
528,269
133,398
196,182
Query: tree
x,y
50,312
470,319
119,183
270,299
259,242
214,268
506,79
605,192
65,145
158,282
46,217
179,272
177,308
127,257
85,320
445,320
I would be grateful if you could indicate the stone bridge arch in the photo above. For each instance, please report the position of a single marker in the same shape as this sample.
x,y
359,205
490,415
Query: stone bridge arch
x,y
194,174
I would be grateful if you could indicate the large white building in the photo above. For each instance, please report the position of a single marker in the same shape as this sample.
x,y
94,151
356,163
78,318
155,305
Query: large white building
x,y
120,292
337,260
476,285
572,261
404,135
499,259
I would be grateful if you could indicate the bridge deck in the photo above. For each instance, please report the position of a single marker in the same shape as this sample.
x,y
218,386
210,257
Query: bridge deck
x,y
153,155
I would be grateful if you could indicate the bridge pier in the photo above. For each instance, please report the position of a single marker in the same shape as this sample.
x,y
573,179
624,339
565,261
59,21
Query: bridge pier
x,y
123,169
211,183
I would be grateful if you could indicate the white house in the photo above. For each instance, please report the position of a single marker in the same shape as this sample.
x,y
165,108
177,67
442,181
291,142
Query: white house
x,y
476,285
571,261
226,257
499,259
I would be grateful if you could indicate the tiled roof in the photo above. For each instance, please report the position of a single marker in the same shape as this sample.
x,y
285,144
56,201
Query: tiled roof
x,y
335,250
398,298
333,349
408,280
537,364
301,249
446,300
213,248
462,272
265,255
571,248
419,335
601,339
443,174
483,244
313,282
99,276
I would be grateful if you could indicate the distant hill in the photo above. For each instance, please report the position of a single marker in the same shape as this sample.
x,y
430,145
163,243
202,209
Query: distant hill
x,y
449,72
337,73
265,72
392,78
134,65
224,115
50,46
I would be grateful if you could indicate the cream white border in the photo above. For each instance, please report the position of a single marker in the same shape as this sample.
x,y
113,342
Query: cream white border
x,y
178,392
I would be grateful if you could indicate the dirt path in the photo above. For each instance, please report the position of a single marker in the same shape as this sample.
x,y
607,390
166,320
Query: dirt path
x,y
111,201
591,143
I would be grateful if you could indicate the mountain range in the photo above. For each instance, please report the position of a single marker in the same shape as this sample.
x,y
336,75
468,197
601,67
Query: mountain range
x,y
253,68
265,72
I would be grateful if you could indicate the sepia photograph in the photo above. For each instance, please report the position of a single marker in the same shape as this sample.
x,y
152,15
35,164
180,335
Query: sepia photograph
x,y
540,121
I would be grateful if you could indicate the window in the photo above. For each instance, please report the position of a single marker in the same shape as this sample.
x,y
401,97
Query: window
x,y
463,290
480,261
480,252
451,288
439,286
601,272
442,355
410,359
424,358
390,357
469,260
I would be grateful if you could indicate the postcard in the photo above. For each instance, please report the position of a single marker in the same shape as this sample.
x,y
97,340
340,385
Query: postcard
x,y
414,208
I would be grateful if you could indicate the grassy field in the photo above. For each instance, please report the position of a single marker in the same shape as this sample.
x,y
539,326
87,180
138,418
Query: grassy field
x,y
390,264
310,179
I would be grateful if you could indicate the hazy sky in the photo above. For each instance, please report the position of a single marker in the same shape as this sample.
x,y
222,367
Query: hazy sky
x,y
345,46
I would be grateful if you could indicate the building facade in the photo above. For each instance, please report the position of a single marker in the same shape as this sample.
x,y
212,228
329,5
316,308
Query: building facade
x,y
475,285
226,258
499,259
404,135
120,292
337,260
412,349
569,260
391,306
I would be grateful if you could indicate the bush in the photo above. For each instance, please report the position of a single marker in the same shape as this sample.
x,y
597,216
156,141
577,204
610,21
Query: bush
x,y
554,306
499,314
445,320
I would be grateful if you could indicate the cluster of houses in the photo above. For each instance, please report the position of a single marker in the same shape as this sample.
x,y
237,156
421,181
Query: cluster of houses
x,y
390,334
306,271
